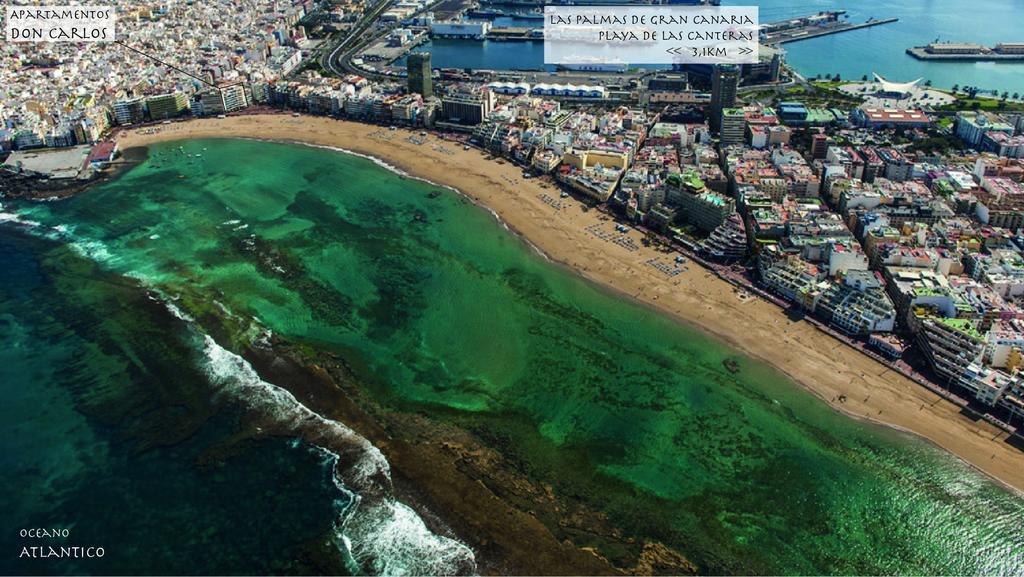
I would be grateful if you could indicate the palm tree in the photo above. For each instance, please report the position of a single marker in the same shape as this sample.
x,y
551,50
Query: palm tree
x,y
956,87
864,78
1016,96
927,82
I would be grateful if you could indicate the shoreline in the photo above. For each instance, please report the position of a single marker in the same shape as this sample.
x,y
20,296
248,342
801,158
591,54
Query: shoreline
x,y
40,188
812,359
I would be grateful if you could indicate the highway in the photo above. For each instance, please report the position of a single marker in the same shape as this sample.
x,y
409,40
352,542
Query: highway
x,y
336,59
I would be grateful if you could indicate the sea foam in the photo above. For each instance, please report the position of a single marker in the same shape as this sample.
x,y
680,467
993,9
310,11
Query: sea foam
x,y
383,535
379,533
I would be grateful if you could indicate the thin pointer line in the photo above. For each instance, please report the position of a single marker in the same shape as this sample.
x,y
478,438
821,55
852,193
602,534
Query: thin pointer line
x,y
204,81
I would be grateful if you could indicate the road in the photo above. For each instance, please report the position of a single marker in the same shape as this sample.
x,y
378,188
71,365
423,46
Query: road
x,y
337,59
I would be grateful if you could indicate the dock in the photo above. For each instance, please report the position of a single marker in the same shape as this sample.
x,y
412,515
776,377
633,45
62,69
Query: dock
x,y
814,26
967,52
492,14
509,34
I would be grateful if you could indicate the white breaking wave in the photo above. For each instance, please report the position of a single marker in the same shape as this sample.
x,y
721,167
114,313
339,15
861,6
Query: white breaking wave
x,y
234,376
392,539
93,250
17,219
383,535
177,312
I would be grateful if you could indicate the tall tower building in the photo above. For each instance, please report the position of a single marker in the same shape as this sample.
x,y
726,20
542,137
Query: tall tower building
x,y
725,79
418,66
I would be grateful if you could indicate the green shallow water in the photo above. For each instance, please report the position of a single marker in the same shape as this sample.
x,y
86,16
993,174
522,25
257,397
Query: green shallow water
x,y
446,313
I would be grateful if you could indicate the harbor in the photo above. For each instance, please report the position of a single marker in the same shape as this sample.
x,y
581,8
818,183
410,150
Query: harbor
x,y
480,30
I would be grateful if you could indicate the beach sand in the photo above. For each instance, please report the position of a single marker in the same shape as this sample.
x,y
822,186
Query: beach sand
x,y
820,363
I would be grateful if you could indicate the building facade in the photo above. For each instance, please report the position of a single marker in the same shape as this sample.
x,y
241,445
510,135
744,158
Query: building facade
x,y
418,66
725,81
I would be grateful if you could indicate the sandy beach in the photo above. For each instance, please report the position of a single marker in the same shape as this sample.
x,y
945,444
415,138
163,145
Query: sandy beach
x,y
823,365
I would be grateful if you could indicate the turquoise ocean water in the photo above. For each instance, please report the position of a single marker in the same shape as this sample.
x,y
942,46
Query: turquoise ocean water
x,y
445,314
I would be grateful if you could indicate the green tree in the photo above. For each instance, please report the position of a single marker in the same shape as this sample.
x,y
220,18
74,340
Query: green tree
x,y
956,87
864,78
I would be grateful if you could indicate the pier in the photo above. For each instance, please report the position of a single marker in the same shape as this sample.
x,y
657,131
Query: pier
x,y
507,34
814,26
492,14
966,52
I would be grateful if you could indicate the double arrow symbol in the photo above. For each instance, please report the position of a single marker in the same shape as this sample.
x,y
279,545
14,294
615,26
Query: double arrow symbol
x,y
743,50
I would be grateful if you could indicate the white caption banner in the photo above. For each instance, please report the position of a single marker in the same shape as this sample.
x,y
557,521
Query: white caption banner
x,y
620,35
60,23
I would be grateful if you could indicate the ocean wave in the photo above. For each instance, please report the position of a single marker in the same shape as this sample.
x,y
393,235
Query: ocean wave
x,y
34,228
367,469
382,535
14,218
177,312
93,250
395,541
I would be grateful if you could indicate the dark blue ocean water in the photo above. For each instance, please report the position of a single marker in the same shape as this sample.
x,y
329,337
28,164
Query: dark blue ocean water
x,y
107,431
